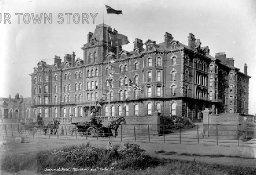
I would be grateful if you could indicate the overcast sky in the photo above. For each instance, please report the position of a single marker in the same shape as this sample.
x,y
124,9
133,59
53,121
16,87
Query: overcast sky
x,y
224,25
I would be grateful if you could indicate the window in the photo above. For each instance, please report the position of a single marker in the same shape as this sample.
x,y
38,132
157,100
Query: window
x,y
46,100
158,76
88,86
80,86
121,96
65,77
80,74
120,110
113,111
96,95
55,99
88,97
149,76
39,89
158,107
149,107
173,60
76,112
70,112
111,96
173,108
55,77
94,57
46,113
55,112
34,91
69,87
149,61
173,87
107,111
96,72
92,97
159,61
136,79
121,82
35,80
76,75
126,109
173,73
136,94
158,91
126,81
136,66
64,112
121,68
88,73
79,97
92,73
149,91
93,85
96,85
136,110
126,94
125,68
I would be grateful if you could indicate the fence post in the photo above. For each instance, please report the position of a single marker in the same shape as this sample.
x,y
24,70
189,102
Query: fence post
x,y
164,132
148,134
197,129
121,133
180,134
134,133
5,130
12,129
237,134
217,134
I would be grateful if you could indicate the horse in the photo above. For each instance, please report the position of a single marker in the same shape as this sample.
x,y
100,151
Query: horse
x,y
52,126
114,125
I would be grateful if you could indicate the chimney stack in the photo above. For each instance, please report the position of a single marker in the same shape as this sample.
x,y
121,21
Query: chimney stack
x,y
245,69
222,57
167,38
138,44
191,41
89,36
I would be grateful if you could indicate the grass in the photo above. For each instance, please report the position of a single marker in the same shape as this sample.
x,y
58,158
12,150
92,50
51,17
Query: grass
x,y
130,159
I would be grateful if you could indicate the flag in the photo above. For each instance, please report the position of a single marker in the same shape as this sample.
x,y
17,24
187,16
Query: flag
x,y
110,10
118,39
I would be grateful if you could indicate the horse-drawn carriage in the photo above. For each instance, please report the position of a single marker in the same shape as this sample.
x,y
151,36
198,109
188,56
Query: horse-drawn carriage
x,y
95,127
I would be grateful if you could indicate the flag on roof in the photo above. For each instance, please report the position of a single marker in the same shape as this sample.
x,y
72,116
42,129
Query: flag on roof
x,y
110,10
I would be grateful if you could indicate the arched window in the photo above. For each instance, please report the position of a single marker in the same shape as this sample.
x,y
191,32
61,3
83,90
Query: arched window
x,y
149,108
126,81
121,95
173,108
113,111
46,113
76,112
149,76
88,73
121,82
173,87
173,73
136,66
159,61
80,74
96,95
120,110
126,110
136,79
92,73
149,91
149,61
96,72
121,68
65,112
126,68
173,60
